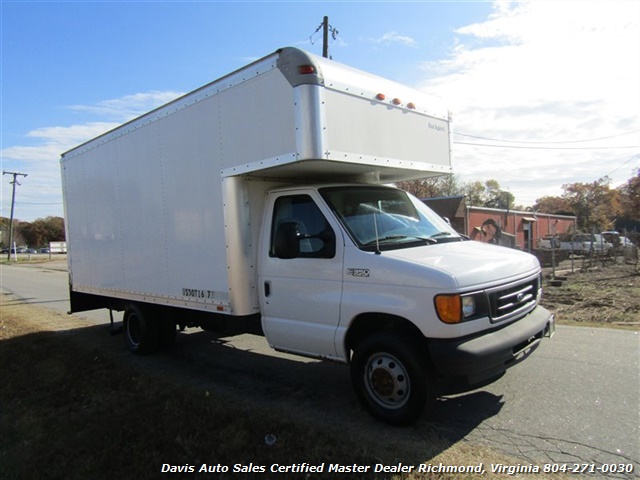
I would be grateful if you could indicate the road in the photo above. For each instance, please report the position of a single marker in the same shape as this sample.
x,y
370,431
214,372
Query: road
x,y
575,400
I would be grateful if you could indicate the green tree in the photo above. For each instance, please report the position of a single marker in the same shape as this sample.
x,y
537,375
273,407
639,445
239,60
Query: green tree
x,y
4,232
431,187
488,194
474,193
595,204
630,198
42,231
551,204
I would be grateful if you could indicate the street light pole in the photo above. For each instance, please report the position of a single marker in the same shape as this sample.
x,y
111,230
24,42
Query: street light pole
x,y
13,202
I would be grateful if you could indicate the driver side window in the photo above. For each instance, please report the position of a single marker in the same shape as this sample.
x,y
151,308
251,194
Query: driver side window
x,y
314,234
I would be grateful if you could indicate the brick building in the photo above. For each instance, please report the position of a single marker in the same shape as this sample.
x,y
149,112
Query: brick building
x,y
522,230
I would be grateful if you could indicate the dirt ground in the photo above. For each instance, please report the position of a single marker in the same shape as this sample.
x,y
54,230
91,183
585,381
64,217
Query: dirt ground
x,y
596,294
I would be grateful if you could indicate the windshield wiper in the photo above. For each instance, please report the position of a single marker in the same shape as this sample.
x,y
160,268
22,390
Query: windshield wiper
x,y
426,239
384,239
440,234
399,237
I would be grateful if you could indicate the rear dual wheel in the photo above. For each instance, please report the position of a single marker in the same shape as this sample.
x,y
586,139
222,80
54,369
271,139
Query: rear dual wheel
x,y
146,330
391,377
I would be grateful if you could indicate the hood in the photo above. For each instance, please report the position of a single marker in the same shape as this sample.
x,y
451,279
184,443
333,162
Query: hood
x,y
471,264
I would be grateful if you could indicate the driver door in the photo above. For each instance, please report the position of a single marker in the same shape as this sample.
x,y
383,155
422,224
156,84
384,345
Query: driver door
x,y
301,295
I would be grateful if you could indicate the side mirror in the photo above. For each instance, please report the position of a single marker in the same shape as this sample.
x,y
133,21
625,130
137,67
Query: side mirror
x,y
286,243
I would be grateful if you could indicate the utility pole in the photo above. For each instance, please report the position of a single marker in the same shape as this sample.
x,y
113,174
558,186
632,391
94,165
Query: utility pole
x,y
326,28
13,202
325,37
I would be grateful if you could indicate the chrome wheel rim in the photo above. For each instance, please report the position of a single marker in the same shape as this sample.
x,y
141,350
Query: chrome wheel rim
x,y
387,381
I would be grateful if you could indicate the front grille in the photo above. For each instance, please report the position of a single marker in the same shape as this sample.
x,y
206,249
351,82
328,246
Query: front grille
x,y
514,299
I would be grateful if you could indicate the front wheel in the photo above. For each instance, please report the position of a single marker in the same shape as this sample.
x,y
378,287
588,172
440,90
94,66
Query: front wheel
x,y
391,377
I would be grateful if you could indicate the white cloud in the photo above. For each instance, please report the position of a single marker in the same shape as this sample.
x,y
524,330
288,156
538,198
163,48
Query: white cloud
x,y
40,194
129,106
394,38
544,72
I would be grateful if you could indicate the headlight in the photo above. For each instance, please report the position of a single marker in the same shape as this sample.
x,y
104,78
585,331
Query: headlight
x,y
468,306
455,308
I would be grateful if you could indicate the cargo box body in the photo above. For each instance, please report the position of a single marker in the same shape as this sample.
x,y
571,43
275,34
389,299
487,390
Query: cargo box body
x,y
166,208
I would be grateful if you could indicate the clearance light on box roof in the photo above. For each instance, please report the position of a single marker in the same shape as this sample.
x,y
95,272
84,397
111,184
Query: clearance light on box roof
x,y
306,69
396,101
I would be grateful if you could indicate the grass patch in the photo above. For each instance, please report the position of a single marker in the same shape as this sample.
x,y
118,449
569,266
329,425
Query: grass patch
x,y
606,296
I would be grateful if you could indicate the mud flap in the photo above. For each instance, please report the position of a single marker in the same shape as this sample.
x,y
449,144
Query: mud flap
x,y
550,329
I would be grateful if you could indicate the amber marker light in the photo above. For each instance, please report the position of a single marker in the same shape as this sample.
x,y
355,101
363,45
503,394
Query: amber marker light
x,y
449,308
411,105
380,96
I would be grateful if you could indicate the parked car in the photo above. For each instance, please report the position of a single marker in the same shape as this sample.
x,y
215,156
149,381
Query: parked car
x,y
548,243
626,243
586,243
15,250
629,250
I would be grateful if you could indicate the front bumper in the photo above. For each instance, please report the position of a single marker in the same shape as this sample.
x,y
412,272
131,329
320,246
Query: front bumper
x,y
477,360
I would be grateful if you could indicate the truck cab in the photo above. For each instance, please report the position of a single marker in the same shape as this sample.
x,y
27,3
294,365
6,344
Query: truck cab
x,y
369,275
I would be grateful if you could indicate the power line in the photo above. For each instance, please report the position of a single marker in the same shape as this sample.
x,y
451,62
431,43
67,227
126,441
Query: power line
x,y
547,142
623,164
544,148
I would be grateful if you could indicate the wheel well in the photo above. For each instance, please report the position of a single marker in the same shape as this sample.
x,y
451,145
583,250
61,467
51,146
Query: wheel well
x,y
368,323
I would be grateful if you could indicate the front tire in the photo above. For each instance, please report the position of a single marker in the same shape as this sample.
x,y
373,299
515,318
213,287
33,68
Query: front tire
x,y
390,376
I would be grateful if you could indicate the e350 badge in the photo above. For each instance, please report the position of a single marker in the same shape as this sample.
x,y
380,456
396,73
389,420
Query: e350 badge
x,y
358,272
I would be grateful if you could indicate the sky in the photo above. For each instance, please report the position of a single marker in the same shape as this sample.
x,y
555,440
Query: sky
x,y
542,94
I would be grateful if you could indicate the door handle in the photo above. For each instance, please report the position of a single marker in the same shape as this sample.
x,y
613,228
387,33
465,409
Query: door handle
x,y
267,289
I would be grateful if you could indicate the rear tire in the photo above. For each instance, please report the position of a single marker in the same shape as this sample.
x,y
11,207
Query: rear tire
x,y
391,377
141,333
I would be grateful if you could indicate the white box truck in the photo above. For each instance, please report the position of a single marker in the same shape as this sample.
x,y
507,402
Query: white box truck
x,y
257,203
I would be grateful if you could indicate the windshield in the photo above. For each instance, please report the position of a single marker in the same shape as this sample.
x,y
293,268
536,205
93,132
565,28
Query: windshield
x,y
386,218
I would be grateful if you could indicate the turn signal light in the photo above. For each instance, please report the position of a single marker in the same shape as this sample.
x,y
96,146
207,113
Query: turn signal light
x,y
449,308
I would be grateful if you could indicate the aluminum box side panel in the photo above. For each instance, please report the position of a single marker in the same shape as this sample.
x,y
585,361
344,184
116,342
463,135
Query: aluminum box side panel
x,y
192,199
92,203
256,124
232,80
145,213
360,130
145,201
